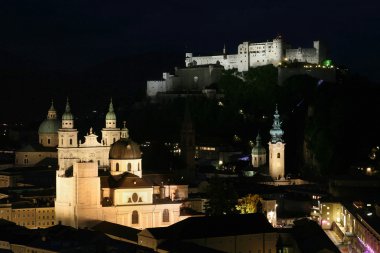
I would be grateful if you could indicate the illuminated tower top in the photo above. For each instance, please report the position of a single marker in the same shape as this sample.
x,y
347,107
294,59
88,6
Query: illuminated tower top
x,y
52,113
276,132
67,117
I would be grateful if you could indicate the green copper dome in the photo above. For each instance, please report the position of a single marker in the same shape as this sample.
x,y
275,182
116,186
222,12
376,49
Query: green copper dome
x,y
111,114
276,132
258,149
49,126
67,115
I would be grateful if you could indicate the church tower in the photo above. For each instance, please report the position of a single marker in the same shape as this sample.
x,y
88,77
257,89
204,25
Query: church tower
x,y
77,202
259,154
276,149
67,135
110,133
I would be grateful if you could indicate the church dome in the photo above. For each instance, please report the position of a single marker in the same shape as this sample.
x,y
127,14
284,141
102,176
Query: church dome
x,y
258,149
125,149
67,116
49,126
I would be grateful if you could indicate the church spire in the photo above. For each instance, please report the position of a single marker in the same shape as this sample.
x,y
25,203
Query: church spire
x,y
276,132
111,116
110,108
67,109
67,117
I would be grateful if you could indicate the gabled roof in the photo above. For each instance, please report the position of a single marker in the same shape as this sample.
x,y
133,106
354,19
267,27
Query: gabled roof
x,y
114,229
128,180
214,226
186,247
36,148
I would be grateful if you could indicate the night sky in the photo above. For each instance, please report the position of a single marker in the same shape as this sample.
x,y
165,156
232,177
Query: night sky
x,y
70,36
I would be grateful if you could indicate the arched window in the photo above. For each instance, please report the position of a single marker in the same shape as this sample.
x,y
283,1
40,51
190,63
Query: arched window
x,y
135,217
117,166
71,141
48,141
255,159
165,215
41,141
129,166
278,155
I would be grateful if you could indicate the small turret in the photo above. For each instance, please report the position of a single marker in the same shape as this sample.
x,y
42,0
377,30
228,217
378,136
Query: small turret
x,y
52,113
124,134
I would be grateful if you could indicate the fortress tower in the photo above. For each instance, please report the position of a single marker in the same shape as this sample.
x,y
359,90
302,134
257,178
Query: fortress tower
x,y
276,149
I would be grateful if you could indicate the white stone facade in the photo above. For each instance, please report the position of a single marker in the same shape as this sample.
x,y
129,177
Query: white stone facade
x,y
277,160
258,54
248,55
83,198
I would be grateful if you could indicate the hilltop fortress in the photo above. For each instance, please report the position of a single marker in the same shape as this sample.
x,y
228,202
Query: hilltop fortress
x,y
251,54
202,72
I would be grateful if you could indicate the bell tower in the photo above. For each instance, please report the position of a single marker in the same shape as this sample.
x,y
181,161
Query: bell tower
x,y
276,149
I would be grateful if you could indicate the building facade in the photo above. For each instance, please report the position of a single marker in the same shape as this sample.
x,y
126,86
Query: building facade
x,y
258,54
121,193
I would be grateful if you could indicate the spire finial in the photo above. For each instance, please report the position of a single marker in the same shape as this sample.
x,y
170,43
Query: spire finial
x,y
52,106
67,105
110,109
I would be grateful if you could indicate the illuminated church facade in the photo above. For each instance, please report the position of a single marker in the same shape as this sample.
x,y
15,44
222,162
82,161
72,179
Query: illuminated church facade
x,y
119,193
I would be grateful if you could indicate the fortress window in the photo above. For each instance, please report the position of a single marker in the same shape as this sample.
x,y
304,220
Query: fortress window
x,y
48,141
165,215
278,155
135,217
129,166
117,166
71,141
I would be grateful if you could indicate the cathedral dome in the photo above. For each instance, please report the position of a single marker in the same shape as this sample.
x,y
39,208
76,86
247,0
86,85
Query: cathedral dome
x,y
125,149
49,126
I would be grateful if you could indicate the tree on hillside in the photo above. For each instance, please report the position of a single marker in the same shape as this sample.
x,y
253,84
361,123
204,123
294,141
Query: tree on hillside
x,y
249,204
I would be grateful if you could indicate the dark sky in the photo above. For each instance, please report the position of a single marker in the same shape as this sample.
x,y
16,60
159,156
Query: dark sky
x,y
71,35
